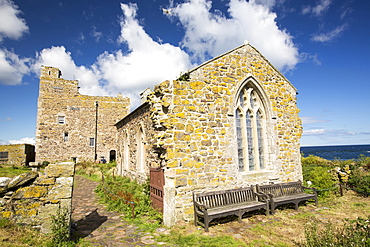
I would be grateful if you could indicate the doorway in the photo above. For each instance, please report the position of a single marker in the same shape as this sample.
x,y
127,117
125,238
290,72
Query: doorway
x,y
112,155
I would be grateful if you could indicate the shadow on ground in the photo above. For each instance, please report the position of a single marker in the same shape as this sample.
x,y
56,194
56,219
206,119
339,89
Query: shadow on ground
x,y
85,226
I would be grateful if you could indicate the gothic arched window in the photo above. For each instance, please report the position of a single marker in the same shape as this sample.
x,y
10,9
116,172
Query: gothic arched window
x,y
250,121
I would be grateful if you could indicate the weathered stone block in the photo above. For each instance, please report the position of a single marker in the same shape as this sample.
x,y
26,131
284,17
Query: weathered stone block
x,y
30,192
22,179
63,169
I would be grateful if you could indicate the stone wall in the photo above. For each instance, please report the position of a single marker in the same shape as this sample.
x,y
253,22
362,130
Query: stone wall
x,y
128,132
84,117
196,124
192,131
18,154
32,198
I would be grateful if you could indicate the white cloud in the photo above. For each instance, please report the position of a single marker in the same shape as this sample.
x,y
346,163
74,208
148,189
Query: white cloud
x,y
25,140
6,119
12,68
210,34
333,133
57,56
328,36
97,35
346,10
11,25
314,132
318,10
312,120
145,64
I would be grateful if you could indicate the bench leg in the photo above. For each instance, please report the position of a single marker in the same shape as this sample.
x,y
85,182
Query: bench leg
x,y
240,216
296,205
206,222
272,208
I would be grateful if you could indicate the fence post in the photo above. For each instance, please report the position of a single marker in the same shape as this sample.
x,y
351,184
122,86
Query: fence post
x,y
133,210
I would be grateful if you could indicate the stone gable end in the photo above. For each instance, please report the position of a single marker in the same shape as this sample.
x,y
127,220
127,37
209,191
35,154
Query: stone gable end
x,y
191,129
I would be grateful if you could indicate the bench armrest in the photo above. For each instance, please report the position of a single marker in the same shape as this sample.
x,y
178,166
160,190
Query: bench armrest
x,y
200,206
262,196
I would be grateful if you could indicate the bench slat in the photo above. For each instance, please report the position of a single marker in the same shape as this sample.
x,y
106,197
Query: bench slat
x,y
285,193
211,205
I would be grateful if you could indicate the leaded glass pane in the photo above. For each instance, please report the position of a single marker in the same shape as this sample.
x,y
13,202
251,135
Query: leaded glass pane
x,y
260,140
248,121
241,99
239,139
251,99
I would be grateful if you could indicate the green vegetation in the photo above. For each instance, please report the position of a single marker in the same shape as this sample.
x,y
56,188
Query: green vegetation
x,y
323,174
184,77
360,177
354,175
318,171
131,198
352,233
12,234
60,230
178,239
12,171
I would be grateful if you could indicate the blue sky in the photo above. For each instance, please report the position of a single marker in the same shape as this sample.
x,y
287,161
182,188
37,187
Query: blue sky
x,y
111,47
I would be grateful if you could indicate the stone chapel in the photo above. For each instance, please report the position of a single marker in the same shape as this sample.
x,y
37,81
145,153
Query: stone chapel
x,y
230,122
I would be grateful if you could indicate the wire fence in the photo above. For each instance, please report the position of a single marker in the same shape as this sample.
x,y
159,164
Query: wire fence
x,y
341,186
336,186
356,190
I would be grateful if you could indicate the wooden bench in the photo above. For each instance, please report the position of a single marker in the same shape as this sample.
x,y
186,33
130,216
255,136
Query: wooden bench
x,y
215,204
286,193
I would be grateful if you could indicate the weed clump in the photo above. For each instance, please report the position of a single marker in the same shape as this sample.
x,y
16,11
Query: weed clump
x,y
60,229
352,233
129,197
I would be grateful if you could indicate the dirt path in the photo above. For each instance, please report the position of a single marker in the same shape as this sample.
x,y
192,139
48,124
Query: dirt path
x,y
98,226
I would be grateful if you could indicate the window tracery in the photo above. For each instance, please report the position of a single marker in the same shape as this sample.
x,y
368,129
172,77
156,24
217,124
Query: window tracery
x,y
250,129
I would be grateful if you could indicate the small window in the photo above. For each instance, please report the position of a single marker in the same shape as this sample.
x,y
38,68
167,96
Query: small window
x,y
92,142
3,155
61,120
65,136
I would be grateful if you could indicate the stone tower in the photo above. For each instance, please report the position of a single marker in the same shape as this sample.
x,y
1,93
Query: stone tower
x,y
71,126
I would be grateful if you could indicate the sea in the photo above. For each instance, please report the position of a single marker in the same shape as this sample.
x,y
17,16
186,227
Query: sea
x,y
342,152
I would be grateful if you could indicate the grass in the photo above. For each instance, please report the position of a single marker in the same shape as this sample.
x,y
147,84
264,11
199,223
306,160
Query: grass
x,y
196,239
14,235
12,171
